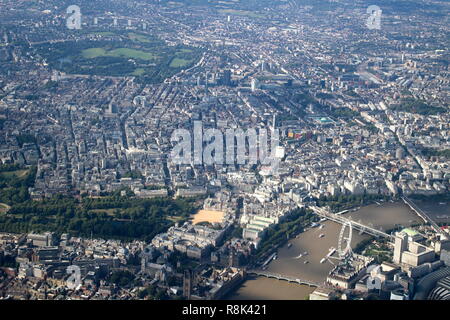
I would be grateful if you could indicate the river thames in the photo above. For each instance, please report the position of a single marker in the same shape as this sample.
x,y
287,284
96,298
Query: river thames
x,y
316,243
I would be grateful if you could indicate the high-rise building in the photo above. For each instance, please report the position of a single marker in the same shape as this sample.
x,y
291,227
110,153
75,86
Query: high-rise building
x,y
254,84
400,245
264,66
410,253
112,109
226,79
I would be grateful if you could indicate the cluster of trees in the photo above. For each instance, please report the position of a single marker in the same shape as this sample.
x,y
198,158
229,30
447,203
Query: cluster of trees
x,y
237,232
436,153
155,70
343,202
122,278
371,128
103,66
32,97
278,234
344,113
25,138
303,99
153,293
8,167
418,106
181,262
50,85
134,174
359,248
108,217
14,188
323,95
368,248
8,261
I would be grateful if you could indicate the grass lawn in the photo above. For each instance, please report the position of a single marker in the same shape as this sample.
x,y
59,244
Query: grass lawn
x,y
136,54
109,212
178,63
103,33
93,53
120,52
241,13
4,208
131,53
138,37
138,72
14,174
174,218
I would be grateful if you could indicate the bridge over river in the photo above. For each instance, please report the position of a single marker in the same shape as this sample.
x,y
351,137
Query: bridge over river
x,y
277,276
423,215
355,225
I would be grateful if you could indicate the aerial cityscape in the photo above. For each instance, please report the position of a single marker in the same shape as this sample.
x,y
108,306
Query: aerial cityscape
x,y
224,150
